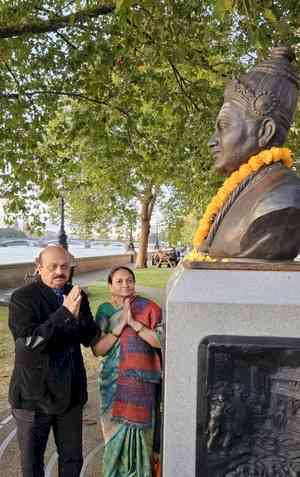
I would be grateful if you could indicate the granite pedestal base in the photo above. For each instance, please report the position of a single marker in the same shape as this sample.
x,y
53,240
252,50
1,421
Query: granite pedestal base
x,y
262,304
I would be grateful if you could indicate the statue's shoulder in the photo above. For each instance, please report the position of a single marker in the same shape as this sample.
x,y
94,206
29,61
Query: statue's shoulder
x,y
264,221
273,229
281,191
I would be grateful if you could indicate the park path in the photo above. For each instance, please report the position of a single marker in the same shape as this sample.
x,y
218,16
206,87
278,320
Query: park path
x,y
92,442
92,439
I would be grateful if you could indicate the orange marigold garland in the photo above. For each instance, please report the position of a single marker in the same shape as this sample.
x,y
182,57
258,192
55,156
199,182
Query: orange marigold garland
x,y
265,157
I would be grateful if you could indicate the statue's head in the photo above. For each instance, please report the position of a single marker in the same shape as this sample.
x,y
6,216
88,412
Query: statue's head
x,y
257,112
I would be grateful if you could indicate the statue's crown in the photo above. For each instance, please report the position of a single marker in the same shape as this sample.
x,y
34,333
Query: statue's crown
x,y
269,89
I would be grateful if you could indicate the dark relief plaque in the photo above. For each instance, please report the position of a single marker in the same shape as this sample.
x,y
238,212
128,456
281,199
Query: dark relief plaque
x,y
248,410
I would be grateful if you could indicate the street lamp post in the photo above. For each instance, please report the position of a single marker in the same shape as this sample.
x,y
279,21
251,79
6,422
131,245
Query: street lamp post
x,y
62,236
130,246
156,246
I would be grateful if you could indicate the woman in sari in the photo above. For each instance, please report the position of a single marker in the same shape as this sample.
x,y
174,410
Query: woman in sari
x,y
129,378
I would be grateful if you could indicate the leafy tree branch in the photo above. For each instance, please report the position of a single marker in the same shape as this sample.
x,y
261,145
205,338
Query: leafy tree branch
x,y
54,24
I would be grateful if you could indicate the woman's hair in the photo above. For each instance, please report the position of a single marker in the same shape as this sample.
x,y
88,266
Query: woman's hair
x,y
116,269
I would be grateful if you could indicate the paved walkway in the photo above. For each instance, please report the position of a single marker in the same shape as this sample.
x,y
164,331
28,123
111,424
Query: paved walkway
x,y
92,443
85,279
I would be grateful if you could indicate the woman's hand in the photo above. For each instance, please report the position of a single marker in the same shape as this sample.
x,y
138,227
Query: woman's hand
x,y
119,328
107,341
135,325
145,333
127,311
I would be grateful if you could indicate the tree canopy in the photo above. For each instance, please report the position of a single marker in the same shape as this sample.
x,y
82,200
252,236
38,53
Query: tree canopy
x,y
115,101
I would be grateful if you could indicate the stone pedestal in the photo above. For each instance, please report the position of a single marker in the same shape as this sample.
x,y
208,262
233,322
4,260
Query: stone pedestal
x,y
223,302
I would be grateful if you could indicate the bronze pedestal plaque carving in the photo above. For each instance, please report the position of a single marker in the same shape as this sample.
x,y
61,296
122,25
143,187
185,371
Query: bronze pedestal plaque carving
x,y
248,410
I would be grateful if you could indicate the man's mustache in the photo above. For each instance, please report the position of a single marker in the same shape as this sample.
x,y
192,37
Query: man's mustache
x,y
59,276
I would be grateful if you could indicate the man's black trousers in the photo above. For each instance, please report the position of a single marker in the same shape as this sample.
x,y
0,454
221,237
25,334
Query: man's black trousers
x,y
33,430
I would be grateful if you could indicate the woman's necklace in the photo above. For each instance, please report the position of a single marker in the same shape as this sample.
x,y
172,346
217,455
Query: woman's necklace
x,y
117,301
265,157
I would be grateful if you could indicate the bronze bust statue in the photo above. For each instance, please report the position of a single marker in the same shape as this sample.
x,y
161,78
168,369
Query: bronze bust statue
x,y
260,218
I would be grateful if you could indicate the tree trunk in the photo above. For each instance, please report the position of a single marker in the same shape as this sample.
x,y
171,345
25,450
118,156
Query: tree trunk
x,y
146,214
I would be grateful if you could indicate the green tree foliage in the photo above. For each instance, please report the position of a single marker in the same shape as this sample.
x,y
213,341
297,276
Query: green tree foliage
x,y
118,99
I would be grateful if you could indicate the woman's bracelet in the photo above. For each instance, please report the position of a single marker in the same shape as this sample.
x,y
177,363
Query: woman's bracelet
x,y
114,334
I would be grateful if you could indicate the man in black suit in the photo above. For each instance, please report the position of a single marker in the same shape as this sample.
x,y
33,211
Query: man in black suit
x,y
49,320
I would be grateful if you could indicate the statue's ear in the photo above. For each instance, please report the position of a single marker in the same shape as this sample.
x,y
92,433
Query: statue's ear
x,y
266,132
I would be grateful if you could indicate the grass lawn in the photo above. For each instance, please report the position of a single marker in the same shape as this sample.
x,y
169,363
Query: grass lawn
x,y
149,278
153,277
6,353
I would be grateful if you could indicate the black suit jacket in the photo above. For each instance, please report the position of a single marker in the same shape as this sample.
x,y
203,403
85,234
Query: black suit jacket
x,y
49,372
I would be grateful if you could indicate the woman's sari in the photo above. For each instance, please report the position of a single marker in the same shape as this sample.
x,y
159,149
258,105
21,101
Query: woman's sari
x,y
129,376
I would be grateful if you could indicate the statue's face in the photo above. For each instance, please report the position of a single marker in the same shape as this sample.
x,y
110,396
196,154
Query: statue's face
x,y
235,138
